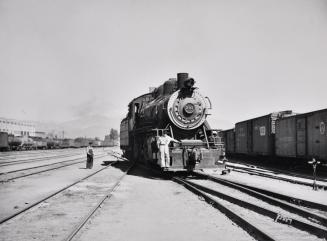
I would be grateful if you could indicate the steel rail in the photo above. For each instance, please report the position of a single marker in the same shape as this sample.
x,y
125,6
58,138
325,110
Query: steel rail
x,y
280,178
3,220
17,154
271,200
50,169
273,170
317,231
45,165
290,199
108,195
250,228
31,160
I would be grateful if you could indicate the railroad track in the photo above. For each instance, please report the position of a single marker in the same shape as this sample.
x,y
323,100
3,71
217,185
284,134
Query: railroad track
x,y
108,194
269,174
38,159
263,216
13,156
57,165
91,194
10,217
275,171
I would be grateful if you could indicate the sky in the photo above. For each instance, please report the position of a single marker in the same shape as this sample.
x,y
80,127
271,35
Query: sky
x,y
66,60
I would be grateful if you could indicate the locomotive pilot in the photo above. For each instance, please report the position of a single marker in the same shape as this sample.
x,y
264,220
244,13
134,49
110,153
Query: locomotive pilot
x,y
163,144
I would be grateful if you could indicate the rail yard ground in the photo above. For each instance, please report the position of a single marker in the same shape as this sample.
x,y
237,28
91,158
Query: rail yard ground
x,y
117,200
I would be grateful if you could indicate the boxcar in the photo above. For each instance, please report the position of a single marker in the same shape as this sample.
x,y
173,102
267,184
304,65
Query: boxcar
x,y
257,136
4,141
302,136
263,131
316,134
290,138
39,143
243,137
229,140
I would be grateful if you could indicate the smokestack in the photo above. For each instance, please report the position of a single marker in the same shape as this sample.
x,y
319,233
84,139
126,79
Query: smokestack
x,y
181,77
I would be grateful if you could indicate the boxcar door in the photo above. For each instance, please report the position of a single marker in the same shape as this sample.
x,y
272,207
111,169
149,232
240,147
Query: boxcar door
x,y
317,145
301,137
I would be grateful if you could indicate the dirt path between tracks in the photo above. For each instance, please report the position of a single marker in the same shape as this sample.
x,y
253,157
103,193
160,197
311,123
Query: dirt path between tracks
x,y
149,208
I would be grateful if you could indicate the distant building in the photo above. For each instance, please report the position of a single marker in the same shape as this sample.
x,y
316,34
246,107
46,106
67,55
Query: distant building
x,y
17,127
41,134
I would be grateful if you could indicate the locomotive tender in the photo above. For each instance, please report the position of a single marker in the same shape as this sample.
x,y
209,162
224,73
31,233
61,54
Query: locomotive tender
x,y
179,109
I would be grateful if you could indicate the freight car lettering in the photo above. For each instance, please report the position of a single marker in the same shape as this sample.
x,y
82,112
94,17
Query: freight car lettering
x,y
282,219
322,128
262,130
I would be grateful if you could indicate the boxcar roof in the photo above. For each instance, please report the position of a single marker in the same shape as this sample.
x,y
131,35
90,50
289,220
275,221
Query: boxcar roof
x,y
267,115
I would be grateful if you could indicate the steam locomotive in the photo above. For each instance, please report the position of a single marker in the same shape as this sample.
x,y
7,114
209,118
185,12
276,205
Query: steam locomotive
x,y
179,109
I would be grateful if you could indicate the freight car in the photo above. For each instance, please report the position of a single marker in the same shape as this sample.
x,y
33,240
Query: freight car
x,y
53,143
4,145
178,108
20,143
39,143
67,143
229,141
256,136
302,136
280,134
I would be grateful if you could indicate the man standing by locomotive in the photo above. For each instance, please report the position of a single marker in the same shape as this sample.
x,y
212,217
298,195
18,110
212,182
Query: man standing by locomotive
x,y
89,156
163,144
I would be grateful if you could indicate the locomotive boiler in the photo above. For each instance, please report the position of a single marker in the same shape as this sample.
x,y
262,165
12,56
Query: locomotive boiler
x,y
178,108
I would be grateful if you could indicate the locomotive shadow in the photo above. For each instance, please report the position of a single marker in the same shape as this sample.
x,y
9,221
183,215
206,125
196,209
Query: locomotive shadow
x,y
155,173
149,172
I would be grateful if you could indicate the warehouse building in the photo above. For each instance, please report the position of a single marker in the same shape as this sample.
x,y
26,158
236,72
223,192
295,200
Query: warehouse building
x,y
17,127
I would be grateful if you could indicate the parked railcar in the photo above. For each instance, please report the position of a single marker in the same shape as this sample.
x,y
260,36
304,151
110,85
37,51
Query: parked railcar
x,y
4,145
282,134
290,138
302,136
14,142
229,141
67,143
82,142
53,143
178,108
39,143
317,135
257,136
243,137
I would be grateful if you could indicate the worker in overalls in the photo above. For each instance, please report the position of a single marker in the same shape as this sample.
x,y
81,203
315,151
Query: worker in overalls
x,y
89,156
163,144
